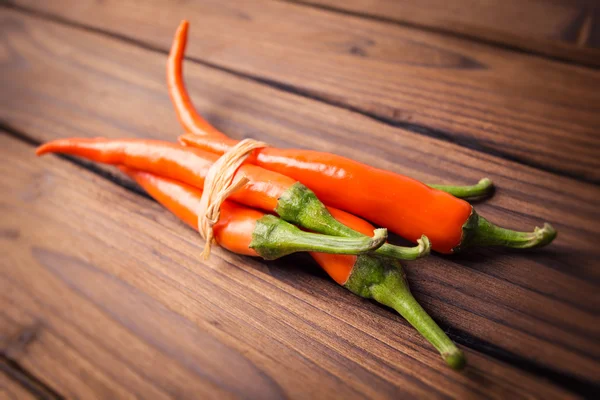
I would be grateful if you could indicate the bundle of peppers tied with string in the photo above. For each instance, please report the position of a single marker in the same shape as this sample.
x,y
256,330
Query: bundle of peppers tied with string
x,y
257,200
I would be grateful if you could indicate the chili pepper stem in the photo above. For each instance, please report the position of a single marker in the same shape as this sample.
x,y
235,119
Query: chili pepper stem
x,y
422,249
398,297
386,284
300,206
478,231
483,188
273,238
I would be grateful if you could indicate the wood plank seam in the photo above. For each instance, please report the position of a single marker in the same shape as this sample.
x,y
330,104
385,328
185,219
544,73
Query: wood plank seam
x,y
306,93
562,379
15,372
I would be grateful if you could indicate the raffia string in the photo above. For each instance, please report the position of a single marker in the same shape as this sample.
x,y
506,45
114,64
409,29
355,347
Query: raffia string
x,y
219,184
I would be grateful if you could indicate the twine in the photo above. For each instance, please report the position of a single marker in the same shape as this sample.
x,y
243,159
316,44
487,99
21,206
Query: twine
x,y
219,184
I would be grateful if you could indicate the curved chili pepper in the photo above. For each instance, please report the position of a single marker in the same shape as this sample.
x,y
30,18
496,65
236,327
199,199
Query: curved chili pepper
x,y
194,123
179,96
265,190
364,275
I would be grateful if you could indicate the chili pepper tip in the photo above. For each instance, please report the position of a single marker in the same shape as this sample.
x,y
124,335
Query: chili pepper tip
x,y
184,24
42,149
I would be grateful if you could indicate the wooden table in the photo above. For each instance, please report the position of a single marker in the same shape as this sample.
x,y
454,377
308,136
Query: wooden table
x,y
104,294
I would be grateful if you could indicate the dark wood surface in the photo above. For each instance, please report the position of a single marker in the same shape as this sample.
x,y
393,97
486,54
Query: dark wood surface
x,y
516,106
112,286
566,29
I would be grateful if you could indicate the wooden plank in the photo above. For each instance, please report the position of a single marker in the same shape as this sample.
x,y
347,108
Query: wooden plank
x,y
524,108
540,305
559,28
129,307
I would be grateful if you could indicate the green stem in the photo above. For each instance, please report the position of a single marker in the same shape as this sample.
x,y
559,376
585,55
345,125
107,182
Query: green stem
x,y
478,231
386,283
273,238
422,249
300,206
482,189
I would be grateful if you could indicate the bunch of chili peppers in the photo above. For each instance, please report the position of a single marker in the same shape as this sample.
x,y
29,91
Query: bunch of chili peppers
x,y
287,190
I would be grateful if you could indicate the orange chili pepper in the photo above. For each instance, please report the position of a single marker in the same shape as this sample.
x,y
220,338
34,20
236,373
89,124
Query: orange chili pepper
x,y
174,161
265,190
234,229
244,230
404,205
365,276
236,224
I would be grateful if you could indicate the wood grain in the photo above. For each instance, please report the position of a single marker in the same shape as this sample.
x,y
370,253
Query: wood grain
x,y
566,29
128,307
11,390
524,108
541,306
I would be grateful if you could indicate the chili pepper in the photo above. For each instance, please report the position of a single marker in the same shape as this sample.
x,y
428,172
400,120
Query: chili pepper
x,y
194,123
247,231
364,275
404,205
266,190
179,95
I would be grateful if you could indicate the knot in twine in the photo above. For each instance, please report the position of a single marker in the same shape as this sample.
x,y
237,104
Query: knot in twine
x,y
219,184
